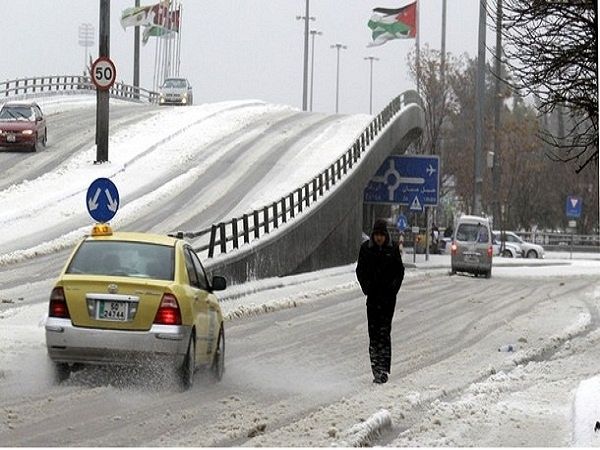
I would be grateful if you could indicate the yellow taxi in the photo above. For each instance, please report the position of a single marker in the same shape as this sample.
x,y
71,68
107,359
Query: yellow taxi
x,y
129,298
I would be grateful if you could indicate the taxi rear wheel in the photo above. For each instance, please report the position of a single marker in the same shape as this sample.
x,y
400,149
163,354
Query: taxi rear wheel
x,y
186,371
218,366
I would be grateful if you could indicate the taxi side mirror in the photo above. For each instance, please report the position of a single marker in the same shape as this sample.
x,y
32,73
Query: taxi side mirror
x,y
219,283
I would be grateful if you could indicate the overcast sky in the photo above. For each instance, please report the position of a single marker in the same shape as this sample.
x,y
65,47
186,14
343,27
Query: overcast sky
x,y
244,49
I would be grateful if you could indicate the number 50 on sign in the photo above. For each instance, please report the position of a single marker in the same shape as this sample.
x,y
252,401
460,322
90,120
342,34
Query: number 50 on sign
x,y
104,73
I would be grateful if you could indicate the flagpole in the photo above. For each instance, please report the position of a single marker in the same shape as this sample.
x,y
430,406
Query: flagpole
x,y
305,71
179,25
136,56
418,49
156,55
172,46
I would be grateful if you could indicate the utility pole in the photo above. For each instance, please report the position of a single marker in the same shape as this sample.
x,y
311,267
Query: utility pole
x,y
443,81
479,110
103,96
313,33
337,77
497,68
136,57
306,18
371,59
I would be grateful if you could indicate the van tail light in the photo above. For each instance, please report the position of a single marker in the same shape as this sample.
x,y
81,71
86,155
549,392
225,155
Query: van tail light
x,y
58,304
168,312
490,251
454,248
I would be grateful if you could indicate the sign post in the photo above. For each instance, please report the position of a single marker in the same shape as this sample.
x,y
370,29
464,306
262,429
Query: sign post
x,y
573,210
102,94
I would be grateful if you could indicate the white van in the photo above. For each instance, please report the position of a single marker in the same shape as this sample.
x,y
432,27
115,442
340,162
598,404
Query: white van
x,y
472,246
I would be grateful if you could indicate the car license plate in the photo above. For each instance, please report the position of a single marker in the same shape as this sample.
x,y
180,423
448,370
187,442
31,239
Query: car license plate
x,y
110,310
471,257
10,138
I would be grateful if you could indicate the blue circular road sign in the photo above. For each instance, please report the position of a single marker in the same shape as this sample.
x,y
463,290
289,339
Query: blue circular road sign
x,y
102,200
402,223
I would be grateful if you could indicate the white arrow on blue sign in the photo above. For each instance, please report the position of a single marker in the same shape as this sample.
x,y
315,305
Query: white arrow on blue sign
x,y
102,200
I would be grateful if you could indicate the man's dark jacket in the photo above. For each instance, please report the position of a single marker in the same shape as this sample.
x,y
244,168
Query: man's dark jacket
x,y
380,270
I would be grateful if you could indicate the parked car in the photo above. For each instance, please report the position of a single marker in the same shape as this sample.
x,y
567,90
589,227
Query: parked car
x,y
176,91
472,248
22,125
508,250
135,298
444,246
527,249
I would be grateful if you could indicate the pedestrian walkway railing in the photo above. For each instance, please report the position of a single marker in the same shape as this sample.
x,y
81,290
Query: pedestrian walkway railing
x,y
227,235
60,84
561,240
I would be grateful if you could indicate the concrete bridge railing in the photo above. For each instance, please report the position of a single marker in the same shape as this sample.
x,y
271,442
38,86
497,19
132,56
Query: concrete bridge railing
x,y
61,84
319,224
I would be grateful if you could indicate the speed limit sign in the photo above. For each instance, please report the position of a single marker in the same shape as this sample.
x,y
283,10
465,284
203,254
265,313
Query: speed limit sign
x,y
104,73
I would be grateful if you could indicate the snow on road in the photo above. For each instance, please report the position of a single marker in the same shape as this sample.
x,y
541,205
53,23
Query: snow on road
x,y
479,396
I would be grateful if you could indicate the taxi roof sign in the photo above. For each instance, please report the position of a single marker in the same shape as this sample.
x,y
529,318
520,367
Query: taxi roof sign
x,y
101,229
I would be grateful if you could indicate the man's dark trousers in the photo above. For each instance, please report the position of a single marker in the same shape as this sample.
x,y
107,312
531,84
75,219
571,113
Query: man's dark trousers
x,y
379,316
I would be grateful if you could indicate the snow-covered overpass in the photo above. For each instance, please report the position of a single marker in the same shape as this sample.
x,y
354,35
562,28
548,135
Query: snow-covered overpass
x,y
309,236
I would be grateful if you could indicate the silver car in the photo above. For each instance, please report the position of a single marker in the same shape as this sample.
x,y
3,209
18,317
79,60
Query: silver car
x,y
527,249
176,91
472,248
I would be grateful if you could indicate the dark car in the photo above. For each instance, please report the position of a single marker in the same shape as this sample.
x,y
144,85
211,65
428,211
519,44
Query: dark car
x,y
22,125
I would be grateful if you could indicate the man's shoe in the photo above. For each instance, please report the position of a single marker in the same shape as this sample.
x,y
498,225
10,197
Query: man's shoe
x,y
380,378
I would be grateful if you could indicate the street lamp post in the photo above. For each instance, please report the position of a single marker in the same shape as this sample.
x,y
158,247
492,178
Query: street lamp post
x,y
313,33
306,17
371,59
86,39
337,77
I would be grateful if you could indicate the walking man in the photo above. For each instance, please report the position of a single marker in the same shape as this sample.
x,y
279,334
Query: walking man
x,y
380,273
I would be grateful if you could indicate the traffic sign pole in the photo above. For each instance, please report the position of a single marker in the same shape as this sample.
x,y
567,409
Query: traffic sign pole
x,y
103,96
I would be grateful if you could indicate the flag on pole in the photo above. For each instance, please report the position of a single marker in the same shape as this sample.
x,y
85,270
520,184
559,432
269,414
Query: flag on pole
x,y
155,31
160,21
388,24
137,16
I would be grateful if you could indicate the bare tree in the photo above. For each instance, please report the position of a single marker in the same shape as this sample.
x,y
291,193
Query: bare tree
x,y
436,93
551,48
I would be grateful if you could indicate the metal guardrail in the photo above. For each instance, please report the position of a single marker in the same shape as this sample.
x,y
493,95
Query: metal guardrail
x,y
56,84
564,240
254,224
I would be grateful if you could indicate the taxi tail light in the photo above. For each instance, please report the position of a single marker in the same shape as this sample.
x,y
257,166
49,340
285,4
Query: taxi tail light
x,y
454,248
490,251
168,312
58,304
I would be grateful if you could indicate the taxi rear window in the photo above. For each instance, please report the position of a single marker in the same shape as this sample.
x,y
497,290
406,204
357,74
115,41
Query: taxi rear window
x,y
121,258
